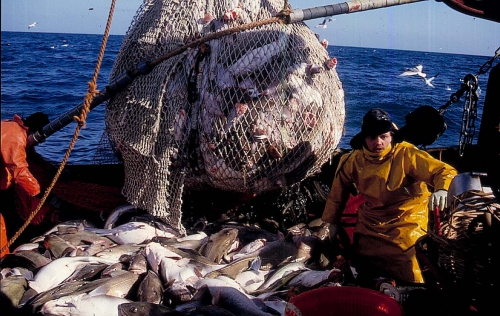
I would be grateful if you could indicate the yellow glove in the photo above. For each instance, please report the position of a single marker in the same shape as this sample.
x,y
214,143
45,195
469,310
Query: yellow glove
x,y
439,199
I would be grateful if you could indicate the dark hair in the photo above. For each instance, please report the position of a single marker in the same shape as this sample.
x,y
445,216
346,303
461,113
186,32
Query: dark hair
x,y
36,122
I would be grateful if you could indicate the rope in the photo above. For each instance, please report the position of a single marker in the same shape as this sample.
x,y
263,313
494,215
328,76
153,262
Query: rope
x,y
81,122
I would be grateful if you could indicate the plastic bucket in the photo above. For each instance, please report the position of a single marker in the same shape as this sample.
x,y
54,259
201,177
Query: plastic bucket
x,y
343,301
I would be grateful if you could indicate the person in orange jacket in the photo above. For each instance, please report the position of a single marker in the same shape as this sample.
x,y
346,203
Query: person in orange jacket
x,y
14,168
14,142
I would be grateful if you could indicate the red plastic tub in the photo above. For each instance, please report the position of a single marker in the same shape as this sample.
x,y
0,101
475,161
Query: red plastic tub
x,y
343,301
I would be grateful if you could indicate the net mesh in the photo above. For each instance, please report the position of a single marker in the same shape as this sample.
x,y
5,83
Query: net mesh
x,y
250,112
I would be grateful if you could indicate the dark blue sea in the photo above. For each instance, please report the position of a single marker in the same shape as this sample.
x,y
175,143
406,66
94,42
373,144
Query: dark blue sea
x,y
49,72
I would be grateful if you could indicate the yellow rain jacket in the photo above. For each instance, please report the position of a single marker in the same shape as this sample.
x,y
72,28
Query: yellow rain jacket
x,y
395,212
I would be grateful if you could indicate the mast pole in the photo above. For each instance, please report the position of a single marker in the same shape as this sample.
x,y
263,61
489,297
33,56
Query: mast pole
x,y
298,15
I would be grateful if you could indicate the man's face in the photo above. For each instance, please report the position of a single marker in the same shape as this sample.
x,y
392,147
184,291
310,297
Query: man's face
x,y
378,143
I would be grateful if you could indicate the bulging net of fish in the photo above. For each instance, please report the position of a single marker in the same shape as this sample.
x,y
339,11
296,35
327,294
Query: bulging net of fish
x,y
251,112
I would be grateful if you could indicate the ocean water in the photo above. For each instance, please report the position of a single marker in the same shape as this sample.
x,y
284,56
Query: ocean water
x,y
49,72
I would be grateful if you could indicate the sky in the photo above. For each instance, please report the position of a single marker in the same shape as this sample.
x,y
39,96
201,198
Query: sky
x,y
422,26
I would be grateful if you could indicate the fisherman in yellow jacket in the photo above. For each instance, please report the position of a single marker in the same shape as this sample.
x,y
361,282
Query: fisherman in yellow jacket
x,y
393,178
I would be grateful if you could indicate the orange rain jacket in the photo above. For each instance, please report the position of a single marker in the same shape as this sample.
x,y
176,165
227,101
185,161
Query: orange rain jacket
x,y
14,165
395,212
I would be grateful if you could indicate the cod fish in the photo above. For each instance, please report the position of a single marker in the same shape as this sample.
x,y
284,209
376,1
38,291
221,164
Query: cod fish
x,y
83,305
12,289
31,260
235,301
119,286
116,252
59,270
219,244
150,289
138,264
57,246
133,233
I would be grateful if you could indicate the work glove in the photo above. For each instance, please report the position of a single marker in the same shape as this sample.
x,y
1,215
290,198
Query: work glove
x,y
439,199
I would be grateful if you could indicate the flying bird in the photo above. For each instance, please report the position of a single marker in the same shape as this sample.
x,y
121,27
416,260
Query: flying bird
x,y
32,25
417,70
429,80
326,20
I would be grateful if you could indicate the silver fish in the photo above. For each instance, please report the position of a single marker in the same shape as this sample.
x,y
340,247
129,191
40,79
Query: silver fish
x,y
116,252
313,278
249,248
119,286
59,270
234,301
84,305
116,213
219,282
234,268
281,272
133,233
27,246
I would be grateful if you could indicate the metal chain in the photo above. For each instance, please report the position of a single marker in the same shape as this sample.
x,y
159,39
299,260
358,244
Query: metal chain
x,y
469,116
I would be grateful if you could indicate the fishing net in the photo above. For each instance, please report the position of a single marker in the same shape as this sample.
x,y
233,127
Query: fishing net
x,y
250,112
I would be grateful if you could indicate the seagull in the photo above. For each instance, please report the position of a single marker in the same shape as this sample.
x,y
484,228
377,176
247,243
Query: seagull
x,y
417,70
428,80
32,25
326,20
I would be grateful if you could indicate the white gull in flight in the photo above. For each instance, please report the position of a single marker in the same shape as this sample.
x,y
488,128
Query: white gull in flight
x,y
428,80
326,20
32,25
417,70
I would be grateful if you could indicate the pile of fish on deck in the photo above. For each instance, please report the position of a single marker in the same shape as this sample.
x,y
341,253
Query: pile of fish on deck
x,y
143,267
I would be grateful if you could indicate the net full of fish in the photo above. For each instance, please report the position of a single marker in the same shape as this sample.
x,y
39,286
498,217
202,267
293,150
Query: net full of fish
x,y
152,276
250,112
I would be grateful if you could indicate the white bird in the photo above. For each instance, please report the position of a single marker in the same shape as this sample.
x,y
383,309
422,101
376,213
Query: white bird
x,y
428,80
417,70
32,25
326,20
